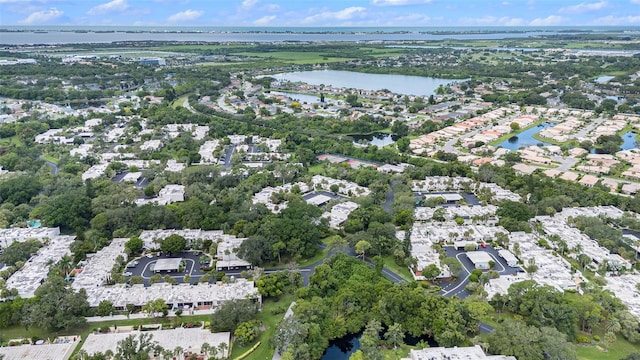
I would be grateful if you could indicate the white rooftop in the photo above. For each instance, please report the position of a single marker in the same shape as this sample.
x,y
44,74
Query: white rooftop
x,y
27,279
61,349
170,264
455,353
190,340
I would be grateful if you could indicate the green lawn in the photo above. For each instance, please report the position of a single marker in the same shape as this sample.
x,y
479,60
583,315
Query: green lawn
x,y
315,169
401,270
179,101
51,158
14,140
616,351
295,57
265,350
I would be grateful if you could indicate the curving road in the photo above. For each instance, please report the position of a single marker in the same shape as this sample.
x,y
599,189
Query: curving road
x,y
53,166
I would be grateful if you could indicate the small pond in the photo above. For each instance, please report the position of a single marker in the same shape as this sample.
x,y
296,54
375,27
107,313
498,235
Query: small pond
x,y
343,348
629,142
377,139
604,79
525,138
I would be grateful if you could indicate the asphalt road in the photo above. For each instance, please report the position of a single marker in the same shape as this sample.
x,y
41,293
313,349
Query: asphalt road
x,y
54,167
145,263
457,288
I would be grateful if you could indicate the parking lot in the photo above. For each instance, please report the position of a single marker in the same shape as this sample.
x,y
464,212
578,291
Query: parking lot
x,y
145,266
457,288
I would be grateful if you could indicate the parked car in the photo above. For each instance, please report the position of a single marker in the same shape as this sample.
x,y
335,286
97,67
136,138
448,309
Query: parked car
x,y
127,273
133,264
150,256
483,245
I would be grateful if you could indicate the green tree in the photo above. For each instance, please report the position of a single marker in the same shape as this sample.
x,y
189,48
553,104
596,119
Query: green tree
x,y
455,268
105,308
362,247
135,348
133,246
56,307
395,337
527,342
155,307
515,210
232,313
370,340
173,244
246,332
431,272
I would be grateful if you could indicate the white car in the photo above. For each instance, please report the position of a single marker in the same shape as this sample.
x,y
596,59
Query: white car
x,y
127,273
150,256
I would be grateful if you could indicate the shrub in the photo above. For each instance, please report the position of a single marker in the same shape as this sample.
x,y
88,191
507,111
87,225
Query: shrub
x,y
596,337
279,310
583,339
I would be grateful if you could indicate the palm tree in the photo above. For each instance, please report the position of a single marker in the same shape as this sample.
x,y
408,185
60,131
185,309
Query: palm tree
x,y
562,246
612,324
214,351
65,264
167,354
584,260
178,351
223,347
205,349
577,249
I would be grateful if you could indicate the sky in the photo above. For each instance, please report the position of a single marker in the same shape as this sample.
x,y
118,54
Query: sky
x,y
315,13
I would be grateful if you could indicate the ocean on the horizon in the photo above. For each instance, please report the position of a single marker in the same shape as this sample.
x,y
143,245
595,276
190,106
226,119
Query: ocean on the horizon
x,y
27,35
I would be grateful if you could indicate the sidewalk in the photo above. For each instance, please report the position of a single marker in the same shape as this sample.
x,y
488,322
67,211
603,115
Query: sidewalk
x,y
145,315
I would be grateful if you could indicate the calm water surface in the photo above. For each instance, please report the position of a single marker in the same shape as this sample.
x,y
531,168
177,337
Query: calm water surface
x,y
400,84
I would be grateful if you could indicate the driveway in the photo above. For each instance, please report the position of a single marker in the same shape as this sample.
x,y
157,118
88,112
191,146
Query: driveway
x,y
192,267
457,287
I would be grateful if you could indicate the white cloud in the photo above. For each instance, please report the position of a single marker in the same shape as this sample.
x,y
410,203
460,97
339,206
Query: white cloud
x,y
265,20
551,20
272,7
616,21
492,21
43,16
411,18
584,7
399,2
112,6
344,14
248,4
635,1
183,16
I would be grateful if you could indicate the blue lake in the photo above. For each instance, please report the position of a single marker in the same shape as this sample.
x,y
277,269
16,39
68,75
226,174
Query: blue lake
x,y
399,84
525,138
